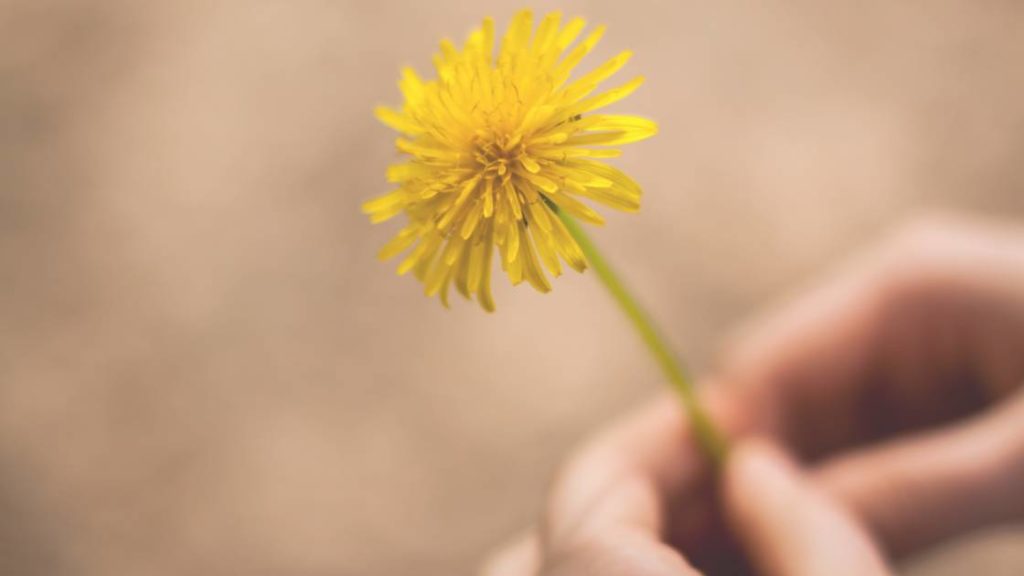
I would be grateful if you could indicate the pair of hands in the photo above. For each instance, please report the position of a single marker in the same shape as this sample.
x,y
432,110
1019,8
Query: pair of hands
x,y
887,418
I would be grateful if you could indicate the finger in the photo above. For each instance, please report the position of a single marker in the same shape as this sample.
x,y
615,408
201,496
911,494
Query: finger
x,y
627,474
519,558
920,490
787,525
922,330
617,552
620,528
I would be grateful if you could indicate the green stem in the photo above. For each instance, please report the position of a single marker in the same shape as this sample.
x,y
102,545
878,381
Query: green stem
x,y
710,438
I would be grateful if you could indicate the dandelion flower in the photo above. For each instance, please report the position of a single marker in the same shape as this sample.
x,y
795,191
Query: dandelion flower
x,y
496,147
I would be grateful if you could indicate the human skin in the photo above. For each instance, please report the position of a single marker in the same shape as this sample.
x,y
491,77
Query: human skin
x,y
888,414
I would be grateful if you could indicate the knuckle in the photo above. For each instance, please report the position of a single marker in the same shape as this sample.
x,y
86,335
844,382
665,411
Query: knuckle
x,y
925,236
918,254
930,225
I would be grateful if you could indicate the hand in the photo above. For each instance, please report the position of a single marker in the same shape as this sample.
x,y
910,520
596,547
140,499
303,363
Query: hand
x,y
896,382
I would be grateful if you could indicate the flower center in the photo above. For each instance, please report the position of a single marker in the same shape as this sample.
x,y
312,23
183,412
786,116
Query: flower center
x,y
497,153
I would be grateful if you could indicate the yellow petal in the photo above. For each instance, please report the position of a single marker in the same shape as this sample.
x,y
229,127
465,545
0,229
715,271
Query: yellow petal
x,y
542,182
588,82
484,293
576,208
539,215
532,271
518,33
471,220
398,244
569,33
609,97
397,120
530,164
577,54
567,246
385,207
546,248
546,33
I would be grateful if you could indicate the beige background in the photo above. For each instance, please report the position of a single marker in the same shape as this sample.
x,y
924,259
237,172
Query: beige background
x,y
203,369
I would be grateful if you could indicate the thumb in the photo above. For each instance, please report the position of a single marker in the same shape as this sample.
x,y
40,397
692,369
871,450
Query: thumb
x,y
787,526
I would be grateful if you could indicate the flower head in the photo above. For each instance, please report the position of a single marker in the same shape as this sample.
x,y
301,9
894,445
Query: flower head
x,y
500,143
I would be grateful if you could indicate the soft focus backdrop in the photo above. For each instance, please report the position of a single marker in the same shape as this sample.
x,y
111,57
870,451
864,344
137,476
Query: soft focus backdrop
x,y
203,368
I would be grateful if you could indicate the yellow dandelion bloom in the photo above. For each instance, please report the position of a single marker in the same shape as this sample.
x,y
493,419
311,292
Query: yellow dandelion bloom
x,y
496,146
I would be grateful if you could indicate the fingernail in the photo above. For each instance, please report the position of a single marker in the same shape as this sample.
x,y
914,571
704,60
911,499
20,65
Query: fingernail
x,y
761,466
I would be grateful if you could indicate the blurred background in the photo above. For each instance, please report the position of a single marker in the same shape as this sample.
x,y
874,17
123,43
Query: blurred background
x,y
204,369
